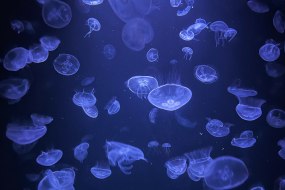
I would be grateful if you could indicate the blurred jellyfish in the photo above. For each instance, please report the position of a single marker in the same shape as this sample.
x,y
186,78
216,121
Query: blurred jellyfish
x,y
175,3
80,152
229,34
152,55
50,42
142,85
184,11
152,115
93,24
16,59
50,157
166,147
17,26
183,121
257,188
281,152
91,111
274,69
23,149
92,2
219,27
173,61
101,170
176,167
87,81
186,35
153,146
276,118
40,120
84,99
217,128
238,91
245,140
279,21
206,74
32,177
66,64
257,6
14,89
82,7
279,183
113,106
188,52
269,51
38,53
109,51
199,25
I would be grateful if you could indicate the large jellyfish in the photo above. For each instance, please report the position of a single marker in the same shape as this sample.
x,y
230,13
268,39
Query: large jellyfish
x,y
66,64
176,167
276,118
50,157
245,140
101,170
206,74
16,59
142,85
93,24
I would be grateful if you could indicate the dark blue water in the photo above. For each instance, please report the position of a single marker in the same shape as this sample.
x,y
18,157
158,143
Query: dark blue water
x,y
51,94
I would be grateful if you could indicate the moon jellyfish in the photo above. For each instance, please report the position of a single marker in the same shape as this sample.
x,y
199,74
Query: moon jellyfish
x,y
186,35
206,74
257,6
14,88
279,21
170,97
109,51
91,111
16,59
183,121
257,188
101,170
175,3
49,158
113,106
188,52
56,13
199,25
274,69
276,118
92,2
153,144
152,55
152,115
87,81
17,26
217,128
184,11
23,134
137,33
176,167
84,99
40,120
219,27
229,34
226,172
166,147
50,42
269,52
93,24
249,108
38,53
123,155
80,152
237,91
142,85
245,140
66,64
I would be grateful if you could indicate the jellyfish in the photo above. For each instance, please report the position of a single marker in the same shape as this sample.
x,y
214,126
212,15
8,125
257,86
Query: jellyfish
x,y
274,69
38,53
152,55
142,85
16,59
14,89
152,115
175,3
257,188
40,120
176,167
281,152
249,108
101,170
84,99
279,183
188,52
276,118
137,33
183,121
50,42
225,172
113,106
80,152
17,26
153,146
206,74
269,51
173,61
56,13
186,35
109,51
219,27
217,128
91,111
184,11
238,91
93,24
49,158
258,6
66,64
229,34
92,2
245,140
279,21
87,81
199,25
166,147
23,149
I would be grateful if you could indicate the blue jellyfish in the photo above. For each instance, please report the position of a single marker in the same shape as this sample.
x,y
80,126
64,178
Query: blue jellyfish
x,y
92,2
238,91
109,51
206,74
152,115
17,26
199,25
40,120
84,99
142,85
173,61
80,152
56,13
14,89
258,6
91,111
38,53
217,128
245,140
186,35
281,152
166,147
152,55
274,69
219,27
269,51
183,121
113,106
16,59
249,108
50,157
257,188
175,3
137,33
66,64
50,42
279,21
93,24
226,172
276,118
170,97
153,144
87,81
101,170
188,52
23,149
184,11
23,134
229,34
175,167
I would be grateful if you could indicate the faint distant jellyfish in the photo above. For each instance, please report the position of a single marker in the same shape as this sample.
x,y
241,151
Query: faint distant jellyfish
x,y
186,35
50,157
188,52
113,106
257,6
152,55
257,188
269,52
66,64
14,88
137,33
229,34
109,51
92,2
91,111
87,81
183,121
184,11
93,24
80,152
38,53
276,118
279,21
17,26
40,120
274,69
49,42
142,85
153,145
206,74
176,167
219,27
16,59
245,140
217,128
173,61
23,149
152,115
84,99
226,172
175,3
166,147
249,108
101,170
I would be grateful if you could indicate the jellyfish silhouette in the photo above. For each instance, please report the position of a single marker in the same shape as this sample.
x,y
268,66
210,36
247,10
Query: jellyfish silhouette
x,y
276,118
217,128
113,106
40,120
109,51
279,21
188,52
50,42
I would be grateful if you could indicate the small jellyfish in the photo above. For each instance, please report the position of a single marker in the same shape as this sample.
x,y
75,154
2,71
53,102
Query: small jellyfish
x,y
152,115
258,6
84,99
16,59
50,42
92,2
153,144
38,53
274,69
49,158
188,52
40,120
152,55
142,85
166,147
206,74
245,140
238,91
184,11
217,128
269,52
113,106
14,88
276,118
279,21
109,51
219,27
93,24
17,26
101,170
80,152
229,34
66,64
87,81
186,35
184,121
199,25
175,3
173,61
176,167
91,111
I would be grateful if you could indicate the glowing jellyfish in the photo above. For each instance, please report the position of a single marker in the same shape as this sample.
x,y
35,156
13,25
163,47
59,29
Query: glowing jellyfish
x,y
188,52
184,11
245,140
101,170
217,128
66,64
169,97
226,172
229,34
56,13
49,42
80,152
91,111
274,69
38,53
113,106
49,158
176,167
92,2
276,118
257,188
152,55
17,26
258,6
93,24
279,21
249,108
84,99
16,59
186,35
109,51
14,88
183,121
152,115
269,52
166,147
87,81
199,25
153,144
175,3
137,33
40,120
219,27
206,74
238,91
142,85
